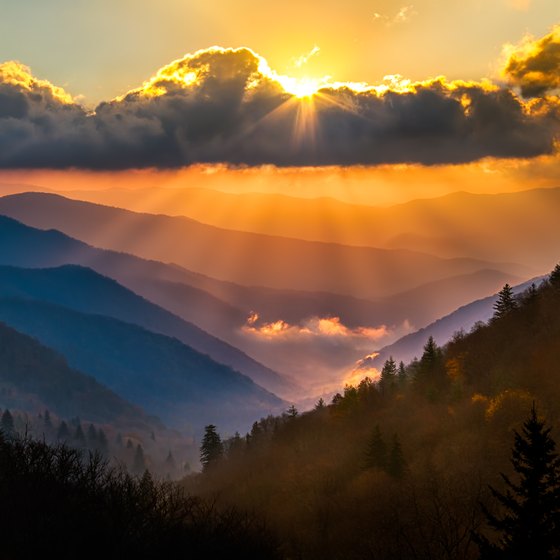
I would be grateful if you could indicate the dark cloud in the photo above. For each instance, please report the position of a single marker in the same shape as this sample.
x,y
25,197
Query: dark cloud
x,y
534,65
227,106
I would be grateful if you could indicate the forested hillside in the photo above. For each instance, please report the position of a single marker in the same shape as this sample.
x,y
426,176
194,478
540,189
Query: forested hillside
x,y
398,468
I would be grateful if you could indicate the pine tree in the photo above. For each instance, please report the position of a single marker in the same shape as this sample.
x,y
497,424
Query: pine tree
x,y
376,451
401,374
139,464
320,404
505,303
7,422
102,441
396,464
92,435
292,411
388,376
63,432
47,420
170,464
79,436
554,278
530,524
211,450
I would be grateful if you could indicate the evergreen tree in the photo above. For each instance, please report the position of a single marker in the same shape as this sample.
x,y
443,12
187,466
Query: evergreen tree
x,y
7,422
63,432
79,436
388,376
554,278
102,442
235,446
211,450
401,374
92,435
505,303
431,353
292,411
320,404
170,464
139,464
396,464
376,451
529,526
47,420
429,372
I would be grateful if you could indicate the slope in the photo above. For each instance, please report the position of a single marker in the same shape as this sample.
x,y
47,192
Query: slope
x,y
34,377
182,386
23,246
442,330
244,258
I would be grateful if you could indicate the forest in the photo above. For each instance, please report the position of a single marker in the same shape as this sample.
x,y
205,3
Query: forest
x,y
451,456
423,463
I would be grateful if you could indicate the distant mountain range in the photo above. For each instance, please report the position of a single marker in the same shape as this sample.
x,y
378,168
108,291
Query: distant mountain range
x,y
34,377
482,226
185,388
244,258
23,246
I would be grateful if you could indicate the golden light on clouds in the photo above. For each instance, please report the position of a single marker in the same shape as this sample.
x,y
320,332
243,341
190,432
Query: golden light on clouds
x,y
19,75
321,327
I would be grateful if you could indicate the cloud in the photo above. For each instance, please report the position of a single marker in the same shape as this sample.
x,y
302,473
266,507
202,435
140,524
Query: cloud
x,y
403,15
329,328
534,64
304,58
227,106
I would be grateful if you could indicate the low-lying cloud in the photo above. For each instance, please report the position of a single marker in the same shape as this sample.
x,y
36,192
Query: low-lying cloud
x,y
330,328
228,106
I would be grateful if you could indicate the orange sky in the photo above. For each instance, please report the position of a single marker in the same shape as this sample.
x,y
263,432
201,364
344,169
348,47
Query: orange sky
x,y
376,186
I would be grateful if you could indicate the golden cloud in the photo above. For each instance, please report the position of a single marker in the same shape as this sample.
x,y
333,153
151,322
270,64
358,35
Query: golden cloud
x,y
16,74
534,64
227,106
314,327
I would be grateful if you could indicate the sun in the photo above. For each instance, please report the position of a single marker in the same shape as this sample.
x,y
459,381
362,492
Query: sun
x,y
301,87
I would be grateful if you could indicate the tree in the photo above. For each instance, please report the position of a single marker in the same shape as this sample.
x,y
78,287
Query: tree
x,y
211,450
376,451
401,374
47,420
139,464
320,404
102,442
554,278
530,521
91,435
429,372
388,376
396,464
292,411
63,432
7,422
505,303
79,436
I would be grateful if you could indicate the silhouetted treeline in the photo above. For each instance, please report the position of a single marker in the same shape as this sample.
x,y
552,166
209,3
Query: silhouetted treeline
x,y
58,503
406,467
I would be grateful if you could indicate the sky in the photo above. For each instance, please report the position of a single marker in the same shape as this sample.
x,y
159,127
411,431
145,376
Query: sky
x,y
99,49
437,96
